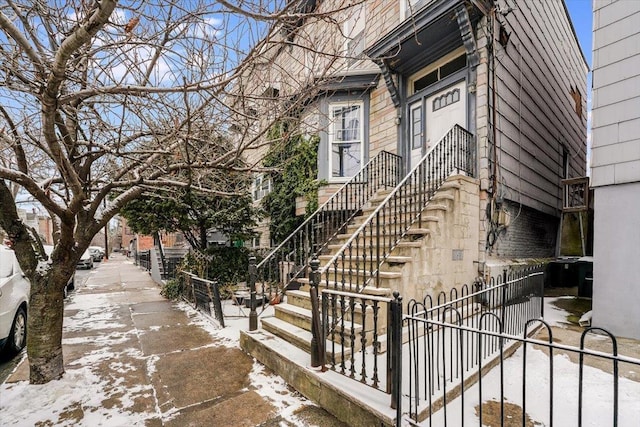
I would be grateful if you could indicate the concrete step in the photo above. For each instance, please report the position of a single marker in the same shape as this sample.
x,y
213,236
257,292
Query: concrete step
x,y
301,299
357,405
391,221
301,318
297,316
394,259
364,246
298,337
348,287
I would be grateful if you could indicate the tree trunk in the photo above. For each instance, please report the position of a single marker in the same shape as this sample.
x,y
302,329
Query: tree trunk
x,y
44,328
203,236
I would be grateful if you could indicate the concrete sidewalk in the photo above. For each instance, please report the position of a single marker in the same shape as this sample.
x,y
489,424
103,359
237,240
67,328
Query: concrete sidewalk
x,y
137,357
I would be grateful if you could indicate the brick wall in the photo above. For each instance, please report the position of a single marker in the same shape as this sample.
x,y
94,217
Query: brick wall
x,y
531,234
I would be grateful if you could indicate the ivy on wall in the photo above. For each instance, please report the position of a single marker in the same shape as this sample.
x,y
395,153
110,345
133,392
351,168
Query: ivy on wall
x,y
294,159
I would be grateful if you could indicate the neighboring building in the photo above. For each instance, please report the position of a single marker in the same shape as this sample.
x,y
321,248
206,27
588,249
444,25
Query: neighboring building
x,y
42,224
482,107
124,235
615,166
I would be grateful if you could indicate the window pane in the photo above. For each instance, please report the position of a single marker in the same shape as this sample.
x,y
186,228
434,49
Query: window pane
x,y
425,81
346,140
346,123
345,159
451,67
416,127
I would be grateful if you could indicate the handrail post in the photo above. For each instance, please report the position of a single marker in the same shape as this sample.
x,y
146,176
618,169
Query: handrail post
x,y
317,338
253,315
504,297
396,355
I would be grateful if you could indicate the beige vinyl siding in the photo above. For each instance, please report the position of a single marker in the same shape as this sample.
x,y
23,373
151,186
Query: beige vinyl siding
x,y
534,120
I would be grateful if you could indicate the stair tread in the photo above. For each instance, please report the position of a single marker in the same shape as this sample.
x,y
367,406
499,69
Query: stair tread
x,y
418,231
369,290
296,336
392,258
443,196
398,259
450,184
436,207
416,244
302,312
292,329
359,220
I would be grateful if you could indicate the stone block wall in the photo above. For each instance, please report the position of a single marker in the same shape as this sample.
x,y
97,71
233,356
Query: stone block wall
x,y
448,257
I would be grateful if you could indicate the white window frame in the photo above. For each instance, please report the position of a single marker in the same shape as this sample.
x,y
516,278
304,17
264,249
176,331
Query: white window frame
x,y
332,107
258,190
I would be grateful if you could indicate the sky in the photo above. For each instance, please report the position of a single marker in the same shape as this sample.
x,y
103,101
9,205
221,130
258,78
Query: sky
x,y
581,12
582,17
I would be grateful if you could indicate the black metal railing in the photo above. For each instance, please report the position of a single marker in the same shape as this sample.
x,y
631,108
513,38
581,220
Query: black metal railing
x,y
501,391
203,294
355,347
158,244
143,259
170,267
441,358
168,264
290,258
358,347
357,264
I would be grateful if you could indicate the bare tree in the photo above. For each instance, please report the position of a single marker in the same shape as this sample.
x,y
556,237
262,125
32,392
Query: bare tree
x,y
103,100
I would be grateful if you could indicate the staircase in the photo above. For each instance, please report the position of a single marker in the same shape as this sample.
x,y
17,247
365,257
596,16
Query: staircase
x,y
292,321
367,251
167,258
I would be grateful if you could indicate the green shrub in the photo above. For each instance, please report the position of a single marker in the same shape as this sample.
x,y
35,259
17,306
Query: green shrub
x,y
172,290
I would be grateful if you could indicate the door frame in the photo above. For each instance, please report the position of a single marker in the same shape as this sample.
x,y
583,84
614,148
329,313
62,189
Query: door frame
x,y
404,142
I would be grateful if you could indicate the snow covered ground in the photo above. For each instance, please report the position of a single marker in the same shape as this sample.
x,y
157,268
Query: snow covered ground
x,y
84,397
597,399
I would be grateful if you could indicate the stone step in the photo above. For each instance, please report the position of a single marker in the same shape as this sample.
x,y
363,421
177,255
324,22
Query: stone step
x,y
301,338
301,318
347,287
410,207
297,316
450,184
426,219
394,259
302,299
442,196
337,244
358,403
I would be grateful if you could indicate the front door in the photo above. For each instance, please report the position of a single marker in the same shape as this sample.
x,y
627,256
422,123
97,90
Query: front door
x,y
432,116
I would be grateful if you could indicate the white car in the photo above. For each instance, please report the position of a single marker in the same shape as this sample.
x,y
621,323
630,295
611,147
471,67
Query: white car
x,y
14,297
86,260
96,252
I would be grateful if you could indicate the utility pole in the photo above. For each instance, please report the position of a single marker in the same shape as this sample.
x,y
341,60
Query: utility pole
x,y
106,234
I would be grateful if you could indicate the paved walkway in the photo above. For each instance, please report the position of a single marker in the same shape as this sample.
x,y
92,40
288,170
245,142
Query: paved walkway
x,y
132,357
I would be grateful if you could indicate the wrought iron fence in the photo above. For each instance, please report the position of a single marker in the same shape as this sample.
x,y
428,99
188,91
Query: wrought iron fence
x,y
585,388
355,348
441,357
143,259
203,294
459,371
170,267
289,259
357,263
